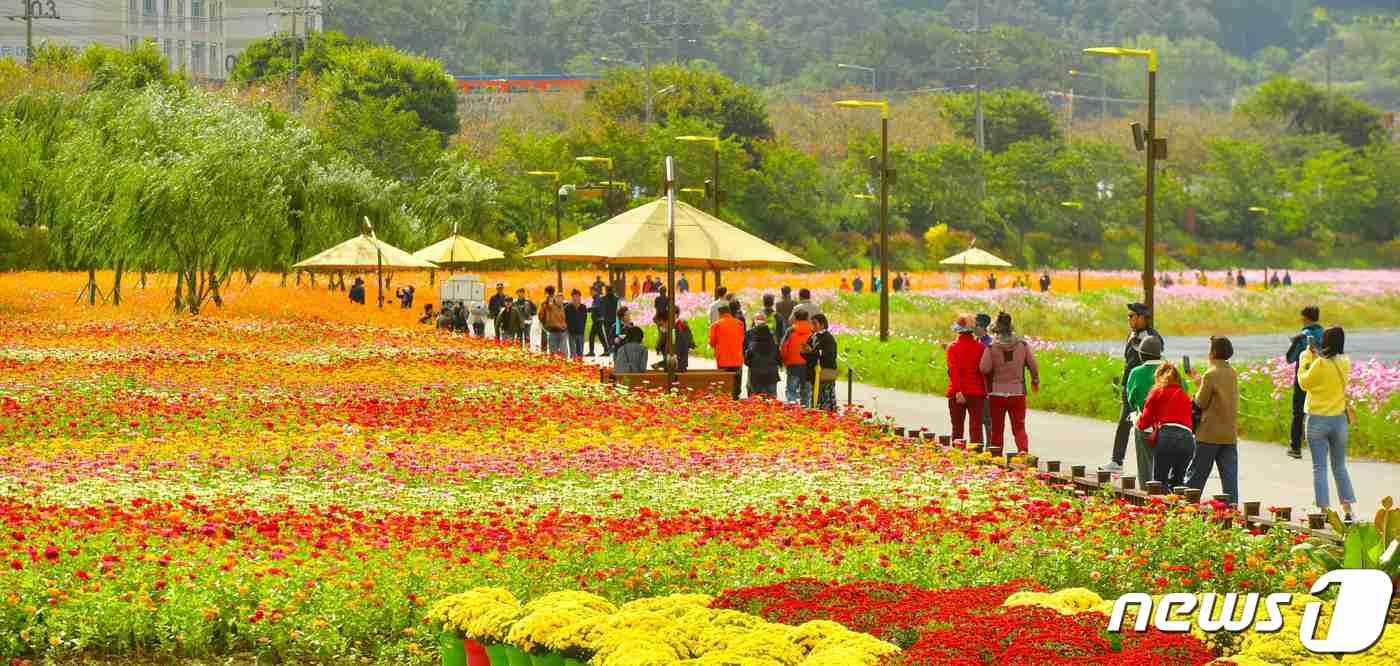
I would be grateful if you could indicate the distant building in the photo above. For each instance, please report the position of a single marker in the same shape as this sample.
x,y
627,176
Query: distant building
x,y
519,83
202,37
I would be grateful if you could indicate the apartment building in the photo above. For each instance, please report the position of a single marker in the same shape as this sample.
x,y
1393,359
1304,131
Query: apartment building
x,y
201,37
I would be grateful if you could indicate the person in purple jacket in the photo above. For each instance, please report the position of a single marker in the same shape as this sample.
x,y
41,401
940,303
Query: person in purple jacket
x,y
1006,362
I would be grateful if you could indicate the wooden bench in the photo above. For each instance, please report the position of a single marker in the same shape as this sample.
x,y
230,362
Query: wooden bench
x,y
713,382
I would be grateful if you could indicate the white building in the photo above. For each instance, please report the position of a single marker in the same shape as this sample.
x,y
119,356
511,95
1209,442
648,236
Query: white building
x,y
202,37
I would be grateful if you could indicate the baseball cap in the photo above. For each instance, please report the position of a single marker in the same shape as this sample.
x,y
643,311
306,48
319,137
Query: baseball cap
x,y
1140,309
1150,345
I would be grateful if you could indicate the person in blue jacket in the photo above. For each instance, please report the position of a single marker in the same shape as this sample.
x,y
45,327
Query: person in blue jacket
x,y
1311,335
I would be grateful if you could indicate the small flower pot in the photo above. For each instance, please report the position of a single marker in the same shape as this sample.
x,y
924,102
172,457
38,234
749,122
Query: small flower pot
x,y
551,659
476,653
454,653
498,654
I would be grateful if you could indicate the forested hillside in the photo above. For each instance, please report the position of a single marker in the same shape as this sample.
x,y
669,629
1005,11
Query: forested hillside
x,y
1212,49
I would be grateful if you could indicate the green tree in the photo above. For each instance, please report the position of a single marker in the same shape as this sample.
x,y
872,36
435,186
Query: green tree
x,y
271,57
1238,175
383,73
1306,108
704,95
379,135
1008,116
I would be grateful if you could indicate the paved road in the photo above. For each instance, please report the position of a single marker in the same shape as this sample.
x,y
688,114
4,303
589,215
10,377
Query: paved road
x,y
1267,474
1378,344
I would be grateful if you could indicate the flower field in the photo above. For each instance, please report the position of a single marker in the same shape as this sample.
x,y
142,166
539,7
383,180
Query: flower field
x,y
285,481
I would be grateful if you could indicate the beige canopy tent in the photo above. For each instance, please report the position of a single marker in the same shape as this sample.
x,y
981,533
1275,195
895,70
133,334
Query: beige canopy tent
x,y
455,252
638,238
365,253
974,258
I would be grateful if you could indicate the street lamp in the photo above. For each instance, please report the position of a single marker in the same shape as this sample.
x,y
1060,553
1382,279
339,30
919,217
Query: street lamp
x,y
1078,241
1156,148
558,233
885,173
1103,101
714,181
593,159
842,65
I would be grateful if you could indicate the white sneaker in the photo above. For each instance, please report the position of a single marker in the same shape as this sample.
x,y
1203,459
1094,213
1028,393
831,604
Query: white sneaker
x,y
1112,468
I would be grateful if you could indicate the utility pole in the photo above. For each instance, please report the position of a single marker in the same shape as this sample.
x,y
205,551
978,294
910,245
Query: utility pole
x,y
33,10
306,12
977,76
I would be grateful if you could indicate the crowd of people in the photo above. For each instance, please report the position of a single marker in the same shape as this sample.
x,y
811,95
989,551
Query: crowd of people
x,y
1180,436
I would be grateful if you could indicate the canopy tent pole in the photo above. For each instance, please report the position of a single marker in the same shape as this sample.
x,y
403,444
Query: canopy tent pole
x,y
670,348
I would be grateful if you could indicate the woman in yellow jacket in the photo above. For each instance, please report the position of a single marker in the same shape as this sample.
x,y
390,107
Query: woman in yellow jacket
x,y
1323,372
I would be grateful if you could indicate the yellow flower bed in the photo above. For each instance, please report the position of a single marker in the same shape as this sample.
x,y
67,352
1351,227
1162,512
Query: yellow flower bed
x,y
679,628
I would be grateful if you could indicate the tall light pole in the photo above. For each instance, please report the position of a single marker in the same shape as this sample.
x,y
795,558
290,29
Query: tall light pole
x,y
1156,149
1103,101
558,234
885,173
863,68
651,94
1078,242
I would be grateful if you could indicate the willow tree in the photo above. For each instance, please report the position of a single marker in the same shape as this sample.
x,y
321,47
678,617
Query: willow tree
x,y
184,179
456,195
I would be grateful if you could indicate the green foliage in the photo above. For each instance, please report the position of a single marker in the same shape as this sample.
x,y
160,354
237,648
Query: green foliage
x,y
384,73
1309,109
129,69
382,137
1374,545
695,93
272,57
1008,116
357,71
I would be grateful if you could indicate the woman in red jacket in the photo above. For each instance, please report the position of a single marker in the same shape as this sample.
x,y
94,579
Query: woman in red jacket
x,y
1167,412
967,388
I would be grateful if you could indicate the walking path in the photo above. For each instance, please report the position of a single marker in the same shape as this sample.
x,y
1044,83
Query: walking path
x,y
1380,344
1266,472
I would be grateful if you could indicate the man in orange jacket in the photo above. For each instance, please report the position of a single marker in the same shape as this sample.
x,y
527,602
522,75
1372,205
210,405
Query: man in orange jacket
x,y
799,376
727,339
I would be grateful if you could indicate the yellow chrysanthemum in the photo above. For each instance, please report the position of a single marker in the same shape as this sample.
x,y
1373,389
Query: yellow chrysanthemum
x,y
672,606
637,651
572,598
483,613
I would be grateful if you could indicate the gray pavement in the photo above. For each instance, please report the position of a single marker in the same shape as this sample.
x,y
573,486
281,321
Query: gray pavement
x,y
1266,472
1381,344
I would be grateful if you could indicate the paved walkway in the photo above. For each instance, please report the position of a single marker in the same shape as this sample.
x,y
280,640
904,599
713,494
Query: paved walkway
x,y
1267,474
1381,344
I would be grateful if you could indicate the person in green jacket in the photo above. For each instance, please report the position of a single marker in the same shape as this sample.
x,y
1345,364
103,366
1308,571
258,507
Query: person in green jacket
x,y
1140,382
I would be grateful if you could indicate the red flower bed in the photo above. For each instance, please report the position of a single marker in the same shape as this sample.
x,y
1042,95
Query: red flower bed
x,y
963,626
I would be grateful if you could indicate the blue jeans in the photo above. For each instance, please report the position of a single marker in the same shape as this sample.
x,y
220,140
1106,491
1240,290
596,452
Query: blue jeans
x,y
1171,457
1327,439
1224,456
826,396
799,388
556,341
576,345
